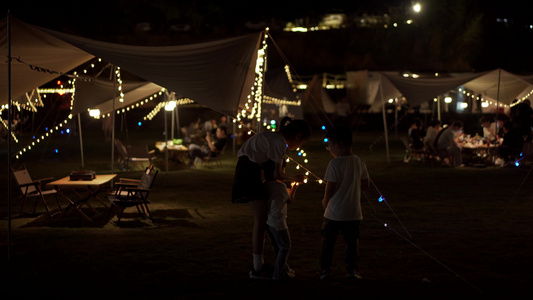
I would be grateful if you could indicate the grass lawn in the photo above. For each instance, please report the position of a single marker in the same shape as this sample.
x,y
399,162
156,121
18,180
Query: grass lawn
x,y
440,233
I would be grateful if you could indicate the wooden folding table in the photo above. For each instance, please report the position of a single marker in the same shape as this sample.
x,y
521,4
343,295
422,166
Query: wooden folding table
x,y
91,187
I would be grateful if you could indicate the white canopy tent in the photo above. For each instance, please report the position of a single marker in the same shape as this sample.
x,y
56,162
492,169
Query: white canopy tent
x,y
218,74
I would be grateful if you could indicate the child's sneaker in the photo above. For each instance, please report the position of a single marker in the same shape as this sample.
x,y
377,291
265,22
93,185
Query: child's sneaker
x,y
285,276
354,275
264,273
325,275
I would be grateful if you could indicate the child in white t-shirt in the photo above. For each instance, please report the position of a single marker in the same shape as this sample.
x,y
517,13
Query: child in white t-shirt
x,y
346,177
278,198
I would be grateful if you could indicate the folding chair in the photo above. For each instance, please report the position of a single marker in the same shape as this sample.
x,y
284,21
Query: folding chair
x,y
410,151
33,188
213,158
133,154
132,192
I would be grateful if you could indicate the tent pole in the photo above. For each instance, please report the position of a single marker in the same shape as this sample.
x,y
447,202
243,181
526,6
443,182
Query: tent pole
x,y
9,117
498,96
234,140
166,140
177,121
395,116
172,120
438,108
113,122
384,120
81,141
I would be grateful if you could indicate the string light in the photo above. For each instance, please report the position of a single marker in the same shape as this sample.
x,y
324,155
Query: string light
x,y
252,107
60,125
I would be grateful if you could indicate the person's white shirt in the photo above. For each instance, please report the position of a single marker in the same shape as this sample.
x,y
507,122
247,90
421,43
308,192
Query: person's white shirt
x,y
488,134
277,204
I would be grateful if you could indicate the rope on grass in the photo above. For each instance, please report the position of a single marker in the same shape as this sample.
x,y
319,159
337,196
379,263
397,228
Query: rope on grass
x,y
382,199
386,225
432,257
519,188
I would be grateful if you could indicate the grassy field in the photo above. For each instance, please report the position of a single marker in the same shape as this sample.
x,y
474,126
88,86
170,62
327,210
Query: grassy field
x,y
440,233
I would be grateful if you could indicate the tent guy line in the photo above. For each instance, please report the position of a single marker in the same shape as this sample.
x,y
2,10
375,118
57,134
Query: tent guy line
x,y
409,240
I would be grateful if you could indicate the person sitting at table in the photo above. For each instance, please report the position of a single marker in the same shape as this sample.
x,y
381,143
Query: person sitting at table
x,y
432,131
416,134
213,146
512,143
447,146
192,133
489,129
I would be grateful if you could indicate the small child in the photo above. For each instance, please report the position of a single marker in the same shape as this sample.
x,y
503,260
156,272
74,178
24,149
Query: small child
x,y
278,198
346,177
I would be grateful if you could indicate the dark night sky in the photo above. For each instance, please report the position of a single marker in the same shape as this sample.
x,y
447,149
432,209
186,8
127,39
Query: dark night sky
x,y
115,21
88,14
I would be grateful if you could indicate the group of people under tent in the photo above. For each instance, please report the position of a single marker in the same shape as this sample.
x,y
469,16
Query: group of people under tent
x,y
506,134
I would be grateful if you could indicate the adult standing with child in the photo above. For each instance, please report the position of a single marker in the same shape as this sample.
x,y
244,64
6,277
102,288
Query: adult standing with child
x,y
248,183
346,177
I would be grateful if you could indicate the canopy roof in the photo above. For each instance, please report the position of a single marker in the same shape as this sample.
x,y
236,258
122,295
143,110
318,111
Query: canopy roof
x,y
100,94
219,74
497,84
38,58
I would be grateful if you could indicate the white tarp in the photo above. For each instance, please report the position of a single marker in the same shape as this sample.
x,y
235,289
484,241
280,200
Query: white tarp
x,y
100,94
217,74
419,90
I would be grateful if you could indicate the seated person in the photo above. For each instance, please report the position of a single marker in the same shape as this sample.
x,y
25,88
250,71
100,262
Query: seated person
x,y
447,145
431,133
489,129
213,147
512,143
417,134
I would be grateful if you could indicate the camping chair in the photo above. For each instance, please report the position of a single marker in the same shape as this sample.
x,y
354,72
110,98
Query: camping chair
x,y
214,157
134,154
33,188
132,192
410,151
